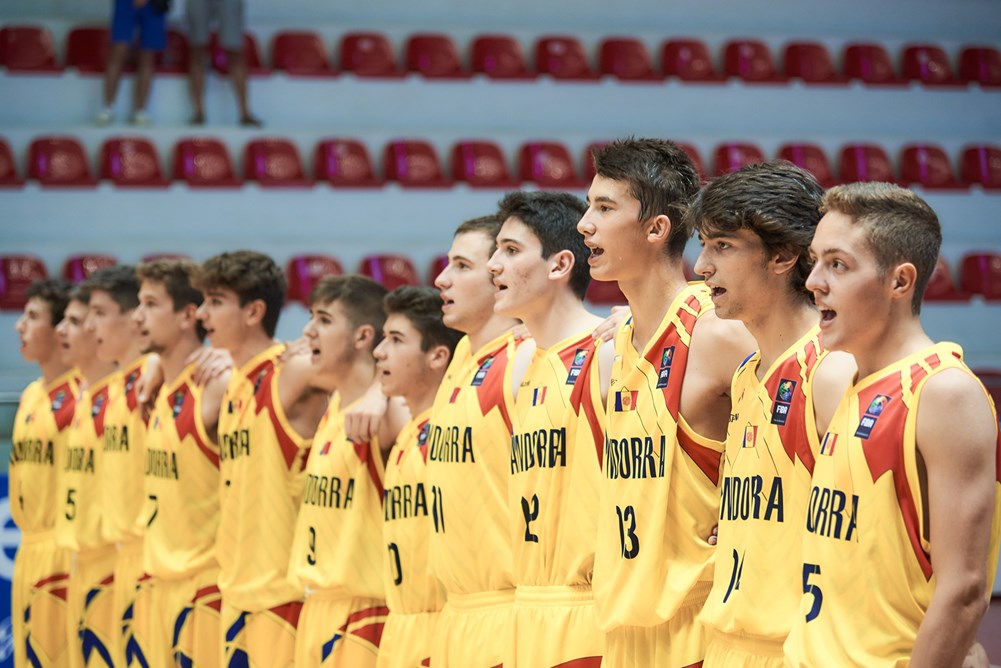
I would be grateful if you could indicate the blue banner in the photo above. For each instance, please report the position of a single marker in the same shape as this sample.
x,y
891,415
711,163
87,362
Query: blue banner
x,y
10,537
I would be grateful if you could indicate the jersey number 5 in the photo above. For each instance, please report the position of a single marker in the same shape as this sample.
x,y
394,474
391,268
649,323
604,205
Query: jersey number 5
x,y
813,590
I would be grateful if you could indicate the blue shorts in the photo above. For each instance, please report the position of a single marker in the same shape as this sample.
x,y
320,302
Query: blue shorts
x,y
152,26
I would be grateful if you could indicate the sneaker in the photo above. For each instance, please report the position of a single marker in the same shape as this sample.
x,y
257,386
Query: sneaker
x,y
141,119
104,118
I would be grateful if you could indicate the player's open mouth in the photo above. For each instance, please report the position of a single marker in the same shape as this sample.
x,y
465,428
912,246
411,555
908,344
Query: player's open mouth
x,y
717,291
827,316
500,286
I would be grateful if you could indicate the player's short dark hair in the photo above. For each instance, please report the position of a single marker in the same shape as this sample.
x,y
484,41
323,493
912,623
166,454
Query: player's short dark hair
x,y
899,225
553,218
120,282
661,177
251,275
53,291
776,200
422,307
80,292
359,296
176,275
488,225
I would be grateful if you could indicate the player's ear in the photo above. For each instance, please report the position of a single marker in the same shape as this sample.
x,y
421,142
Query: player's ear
x,y
561,264
658,229
364,336
255,311
904,277
189,317
784,261
438,358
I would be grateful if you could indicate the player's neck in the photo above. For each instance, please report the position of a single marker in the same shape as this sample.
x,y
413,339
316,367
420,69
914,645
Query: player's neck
x,y
651,294
52,368
252,346
780,326
357,378
889,342
129,357
94,370
423,397
174,359
491,329
559,318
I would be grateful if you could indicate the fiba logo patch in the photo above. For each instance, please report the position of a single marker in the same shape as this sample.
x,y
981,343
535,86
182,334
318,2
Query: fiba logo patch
x,y
579,357
872,413
783,400
664,374
481,373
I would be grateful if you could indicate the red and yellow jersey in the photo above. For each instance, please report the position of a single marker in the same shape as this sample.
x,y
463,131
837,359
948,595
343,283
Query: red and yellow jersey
x,y
660,490
338,546
37,457
181,483
121,471
406,530
469,443
79,517
555,469
865,510
262,462
770,449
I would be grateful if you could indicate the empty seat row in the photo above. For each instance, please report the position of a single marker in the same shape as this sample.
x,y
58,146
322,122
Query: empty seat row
x,y
344,162
563,57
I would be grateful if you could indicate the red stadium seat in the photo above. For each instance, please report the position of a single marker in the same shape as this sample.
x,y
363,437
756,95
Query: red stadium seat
x,y
981,165
941,286
300,53
413,162
87,49
480,164
27,49
273,162
811,158
689,60
981,275
604,293
499,57
732,156
810,62
17,272
344,163
305,271
390,270
131,161
78,267
627,59
928,166
8,167
368,54
563,57
548,165
870,63
59,161
991,379
980,64
204,162
434,57
751,61
928,64
865,162
438,264
220,61
174,59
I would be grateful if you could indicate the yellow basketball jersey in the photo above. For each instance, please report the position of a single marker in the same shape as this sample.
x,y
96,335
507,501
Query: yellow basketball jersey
x,y
181,483
122,457
867,575
469,442
555,470
37,457
338,534
770,447
78,521
406,530
660,490
261,466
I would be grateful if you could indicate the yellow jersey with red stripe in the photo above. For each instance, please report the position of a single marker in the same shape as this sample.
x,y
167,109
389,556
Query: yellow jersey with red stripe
x,y
37,457
770,448
555,470
337,549
660,490
867,573
406,531
181,484
469,440
78,522
122,470
262,459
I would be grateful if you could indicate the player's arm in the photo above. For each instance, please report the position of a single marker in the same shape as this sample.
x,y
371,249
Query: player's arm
x,y
519,365
212,395
396,418
833,376
957,444
366,416
608,327
606,358
209,363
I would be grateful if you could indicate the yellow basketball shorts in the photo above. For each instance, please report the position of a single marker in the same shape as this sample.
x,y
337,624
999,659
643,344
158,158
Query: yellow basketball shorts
x,y
406,640
474,630
128,572
92,608
39,602
556,626
183,620
337,631
264,639
677,643
730,650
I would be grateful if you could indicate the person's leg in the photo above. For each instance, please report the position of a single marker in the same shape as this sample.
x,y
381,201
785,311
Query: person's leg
x,y
152,39
144,79
231,38
123,26
238,73
197,13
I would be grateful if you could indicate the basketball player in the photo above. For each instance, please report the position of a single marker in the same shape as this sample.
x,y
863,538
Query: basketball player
x,y
904,514
411,361
177,620
93,629
41,569
113,299
468,459
755,226
668,409
337,551
269,413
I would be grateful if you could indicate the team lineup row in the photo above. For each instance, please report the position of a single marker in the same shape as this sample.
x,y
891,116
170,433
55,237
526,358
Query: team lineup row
x,y
771,467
